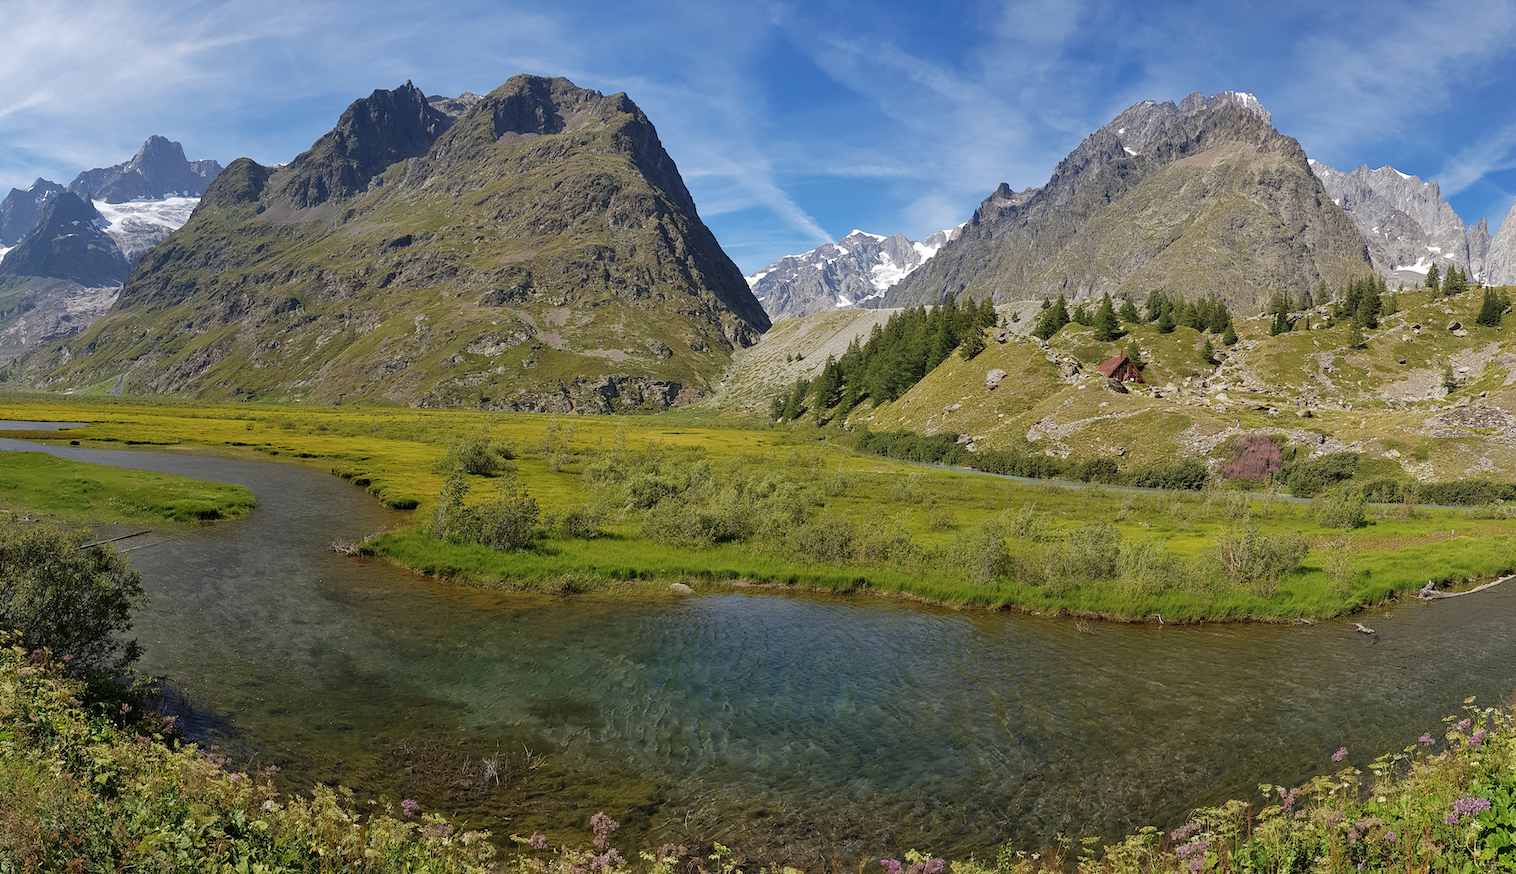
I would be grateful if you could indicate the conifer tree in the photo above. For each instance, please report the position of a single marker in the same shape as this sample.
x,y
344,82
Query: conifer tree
x,y
1433,279
1054,317
1134,352
1107,328
1230,337
1155,304
1166,320
1490,310
828,387
1208,353
1128,312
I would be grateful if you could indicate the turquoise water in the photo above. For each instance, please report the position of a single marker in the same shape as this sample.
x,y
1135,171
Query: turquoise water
x,y
817,725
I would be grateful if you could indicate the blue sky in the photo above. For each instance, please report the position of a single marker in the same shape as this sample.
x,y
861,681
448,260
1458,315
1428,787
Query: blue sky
x,y
792,123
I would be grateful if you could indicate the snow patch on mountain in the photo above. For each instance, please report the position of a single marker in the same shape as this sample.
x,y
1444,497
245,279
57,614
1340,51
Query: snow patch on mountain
x,y
857,269
139,225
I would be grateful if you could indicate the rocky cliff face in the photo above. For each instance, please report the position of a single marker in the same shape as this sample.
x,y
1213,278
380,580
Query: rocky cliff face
x,y
69,242
1405,222
857,269
21,209
1197,198
1500,260
535,248
158,170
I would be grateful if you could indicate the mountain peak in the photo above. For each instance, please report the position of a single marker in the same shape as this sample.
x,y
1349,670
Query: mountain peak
x,y
68,242
158,170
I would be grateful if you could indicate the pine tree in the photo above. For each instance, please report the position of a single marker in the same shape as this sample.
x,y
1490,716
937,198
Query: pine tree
x,y
973,343
1432,278
1208,353
1054,317
1230,337
1081,316
1166,320
1489,310
1107,328
1129,312
1355,336
1155,304
1281,325
828,387
1134,352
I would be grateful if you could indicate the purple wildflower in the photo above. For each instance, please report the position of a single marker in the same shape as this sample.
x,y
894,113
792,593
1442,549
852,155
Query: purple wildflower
x,y
893,865
1426,738
935,865
1340,754
409,807
603,825
1463,725
1287,799
1196,864
1389,836
1184,831
1352,835
1478,738
607,859
1196,848
538,842
1466,806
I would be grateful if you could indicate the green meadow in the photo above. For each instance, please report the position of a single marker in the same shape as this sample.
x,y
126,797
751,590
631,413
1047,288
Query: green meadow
x,y
37,483
633,505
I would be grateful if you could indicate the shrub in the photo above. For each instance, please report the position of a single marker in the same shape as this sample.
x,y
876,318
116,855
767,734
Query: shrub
x,y
1093,552
982,554
582,522
1187,474
1306,477
825,538
1339,507
1256,562
1251,457
477,455
75,601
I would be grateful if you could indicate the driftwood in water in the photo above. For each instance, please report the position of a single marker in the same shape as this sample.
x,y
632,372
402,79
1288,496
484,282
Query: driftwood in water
x,y
112,540
1429,591
1363,629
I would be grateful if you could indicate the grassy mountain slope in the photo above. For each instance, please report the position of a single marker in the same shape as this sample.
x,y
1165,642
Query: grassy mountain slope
x,y
538,253
1386,399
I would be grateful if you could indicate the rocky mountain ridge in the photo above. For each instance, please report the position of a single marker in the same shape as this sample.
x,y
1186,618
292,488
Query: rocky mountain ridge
x,y
532,249
159,170
1405,222
857,269
1200,197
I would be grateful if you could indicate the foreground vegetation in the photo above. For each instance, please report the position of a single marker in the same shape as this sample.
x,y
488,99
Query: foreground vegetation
x,y
91,785
565,505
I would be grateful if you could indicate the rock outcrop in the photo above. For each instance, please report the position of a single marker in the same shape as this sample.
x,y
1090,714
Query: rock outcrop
x,y
158,170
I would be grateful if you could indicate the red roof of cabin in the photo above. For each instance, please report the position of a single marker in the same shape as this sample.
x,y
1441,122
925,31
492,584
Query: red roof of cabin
x,y
1109,367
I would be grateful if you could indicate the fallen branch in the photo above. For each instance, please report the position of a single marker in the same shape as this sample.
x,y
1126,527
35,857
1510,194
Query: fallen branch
x,y
112,540
1429,591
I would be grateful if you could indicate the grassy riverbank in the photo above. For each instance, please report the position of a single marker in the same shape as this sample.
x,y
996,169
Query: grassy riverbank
x,y
90,790
634,504
34,483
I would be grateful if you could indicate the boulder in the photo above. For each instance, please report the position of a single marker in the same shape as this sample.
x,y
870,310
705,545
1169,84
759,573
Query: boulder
x,y
1114,385
1454,325
992,378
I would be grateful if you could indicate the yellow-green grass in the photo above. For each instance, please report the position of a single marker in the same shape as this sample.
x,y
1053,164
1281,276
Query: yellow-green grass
x,y
394,452
37,483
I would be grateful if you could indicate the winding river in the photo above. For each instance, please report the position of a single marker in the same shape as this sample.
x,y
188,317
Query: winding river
x,y
847,726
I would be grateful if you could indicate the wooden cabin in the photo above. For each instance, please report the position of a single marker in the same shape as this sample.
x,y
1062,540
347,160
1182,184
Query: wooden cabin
x,y
1121,368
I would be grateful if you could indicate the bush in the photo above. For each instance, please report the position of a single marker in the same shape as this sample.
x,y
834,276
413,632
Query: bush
x,y
1188,474
477,455
982,554
1306,477
1252,457
1256,562
1339,507
1093,552
509,521
75,601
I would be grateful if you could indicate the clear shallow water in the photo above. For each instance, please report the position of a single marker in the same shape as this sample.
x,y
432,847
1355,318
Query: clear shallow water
x,y
855,725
